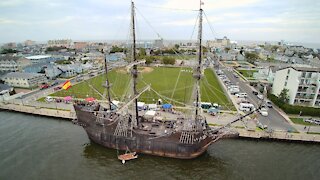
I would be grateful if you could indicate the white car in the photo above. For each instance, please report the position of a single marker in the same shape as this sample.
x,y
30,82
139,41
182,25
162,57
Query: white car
x,y
241,95
263,112
260,96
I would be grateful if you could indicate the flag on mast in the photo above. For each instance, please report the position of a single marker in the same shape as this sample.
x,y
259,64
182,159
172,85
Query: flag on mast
x,y
66,85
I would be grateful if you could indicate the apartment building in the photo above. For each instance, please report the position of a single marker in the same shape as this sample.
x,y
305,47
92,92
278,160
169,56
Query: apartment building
x,y
12,63
24,80
303,84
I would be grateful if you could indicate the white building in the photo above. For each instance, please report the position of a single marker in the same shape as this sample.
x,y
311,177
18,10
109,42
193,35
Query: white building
x,y
24,80
39,58
13,64
219,43
303,84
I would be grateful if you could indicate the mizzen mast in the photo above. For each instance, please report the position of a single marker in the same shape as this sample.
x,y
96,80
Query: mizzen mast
x,y
134,71
197,74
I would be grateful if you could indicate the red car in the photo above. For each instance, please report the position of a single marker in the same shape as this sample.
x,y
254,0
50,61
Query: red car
x,y
44,86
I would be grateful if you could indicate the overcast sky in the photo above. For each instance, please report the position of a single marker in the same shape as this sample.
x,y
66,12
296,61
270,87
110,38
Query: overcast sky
x,y
266,20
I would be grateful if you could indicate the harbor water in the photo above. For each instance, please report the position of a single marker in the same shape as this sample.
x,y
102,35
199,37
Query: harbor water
x,y
34,147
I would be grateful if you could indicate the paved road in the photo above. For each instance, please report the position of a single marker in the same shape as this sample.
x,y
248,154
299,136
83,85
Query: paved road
x,y
274,120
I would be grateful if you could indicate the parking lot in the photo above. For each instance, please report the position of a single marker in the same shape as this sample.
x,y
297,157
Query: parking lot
x,y
247,98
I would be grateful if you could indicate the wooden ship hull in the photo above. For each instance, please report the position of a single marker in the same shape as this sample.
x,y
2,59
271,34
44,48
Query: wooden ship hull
x,y
173,145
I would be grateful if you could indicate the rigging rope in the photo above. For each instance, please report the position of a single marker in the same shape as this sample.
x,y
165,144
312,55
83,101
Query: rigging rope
x,y
167,8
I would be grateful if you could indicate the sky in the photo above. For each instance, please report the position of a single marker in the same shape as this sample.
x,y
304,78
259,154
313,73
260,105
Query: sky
x,y
258,20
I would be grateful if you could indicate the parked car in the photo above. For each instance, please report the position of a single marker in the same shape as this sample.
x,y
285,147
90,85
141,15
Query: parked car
x,y
49,99
260,96
57,88
268,104
255,92
310,120
241,95
263,111
44,86
316,121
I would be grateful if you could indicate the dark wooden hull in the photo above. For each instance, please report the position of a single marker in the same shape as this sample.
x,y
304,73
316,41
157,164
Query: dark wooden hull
x,y
165,146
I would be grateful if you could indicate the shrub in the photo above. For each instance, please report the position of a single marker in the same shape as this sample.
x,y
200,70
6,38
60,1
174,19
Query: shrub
x,y
291,109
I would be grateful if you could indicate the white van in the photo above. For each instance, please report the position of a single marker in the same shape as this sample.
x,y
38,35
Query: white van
x,y
246,107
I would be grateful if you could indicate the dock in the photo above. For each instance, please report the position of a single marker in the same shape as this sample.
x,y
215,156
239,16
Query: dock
x,y
42,111
279,136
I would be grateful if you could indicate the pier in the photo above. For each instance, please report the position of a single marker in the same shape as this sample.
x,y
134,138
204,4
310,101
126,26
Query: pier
x,y
279,135
38,110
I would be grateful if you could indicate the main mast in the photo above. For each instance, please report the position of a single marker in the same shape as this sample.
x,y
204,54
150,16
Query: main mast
x,y
107,81
134,71
198,70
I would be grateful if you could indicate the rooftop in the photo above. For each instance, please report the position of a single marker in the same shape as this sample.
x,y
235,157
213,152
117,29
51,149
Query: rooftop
x,y
38,57
22,75
305,69
5,87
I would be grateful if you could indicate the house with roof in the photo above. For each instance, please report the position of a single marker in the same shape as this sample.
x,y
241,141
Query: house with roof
x,y
13,63
24,80
303,84
40,58
5,91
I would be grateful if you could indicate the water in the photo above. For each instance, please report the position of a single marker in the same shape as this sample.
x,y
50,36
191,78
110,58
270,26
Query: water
x,y
33,147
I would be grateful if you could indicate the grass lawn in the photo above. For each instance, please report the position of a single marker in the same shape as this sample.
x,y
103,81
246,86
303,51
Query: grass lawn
x,y
247,73
162,79
318,133
211,91
300,121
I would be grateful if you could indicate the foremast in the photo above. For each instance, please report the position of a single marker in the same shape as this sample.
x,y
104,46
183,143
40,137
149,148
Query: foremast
x,y
198,72
134,71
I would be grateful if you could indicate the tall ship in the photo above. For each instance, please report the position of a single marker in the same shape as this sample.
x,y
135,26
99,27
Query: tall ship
x,y
125,128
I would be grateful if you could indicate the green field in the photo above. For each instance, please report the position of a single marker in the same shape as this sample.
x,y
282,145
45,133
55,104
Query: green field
x,y
300,121
247,73
162,79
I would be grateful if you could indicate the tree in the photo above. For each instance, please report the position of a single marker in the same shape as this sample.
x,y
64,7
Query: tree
x,y
149,59
142,52
284,96
8,51
251,57
176,46
226,49
168,60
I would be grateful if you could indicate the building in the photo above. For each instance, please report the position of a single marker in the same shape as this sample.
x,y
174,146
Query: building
x,y
40,58
29,43
303,84
5,91
80,45
158,43
24,80
10,45
219,43
115,56
13,63
60,43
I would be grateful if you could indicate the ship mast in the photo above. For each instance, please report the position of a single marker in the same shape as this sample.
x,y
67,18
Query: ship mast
x,y
134,71
107,81
198,70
